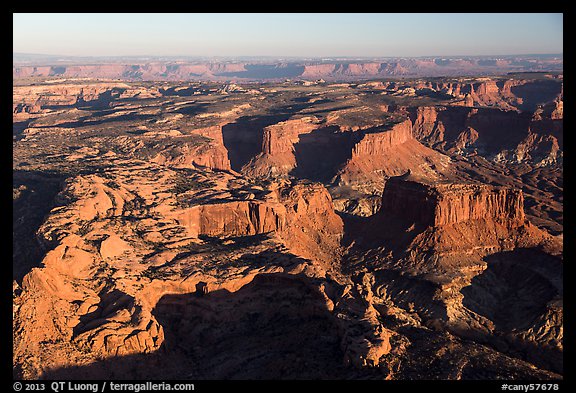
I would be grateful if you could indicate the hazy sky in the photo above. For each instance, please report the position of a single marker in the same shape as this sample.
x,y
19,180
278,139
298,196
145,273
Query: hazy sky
x,y
288,34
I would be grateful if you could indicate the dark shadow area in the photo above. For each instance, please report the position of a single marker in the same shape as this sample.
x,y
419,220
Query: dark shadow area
x,y
34,195
513,292
432,355
402,216
192,110
110,302
454,121
328,110
128,117
438,95
218,245
102,102
386,235
550,127
412,293
275,327
536,92
320,153
442,62
18,128
243,139
382,231
136,132
353,228
178,91
499,130
515,288
57,70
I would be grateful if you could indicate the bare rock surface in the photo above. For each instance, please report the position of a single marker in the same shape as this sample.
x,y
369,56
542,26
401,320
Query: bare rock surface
x,y
390,229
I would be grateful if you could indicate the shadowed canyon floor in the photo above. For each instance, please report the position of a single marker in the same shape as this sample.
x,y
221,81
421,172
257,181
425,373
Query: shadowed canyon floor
x,y
294,230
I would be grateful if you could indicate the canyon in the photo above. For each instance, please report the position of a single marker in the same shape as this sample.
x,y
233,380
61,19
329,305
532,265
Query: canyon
x,y
382,229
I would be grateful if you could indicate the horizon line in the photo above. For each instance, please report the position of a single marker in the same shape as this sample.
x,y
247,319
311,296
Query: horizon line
x,y
287,56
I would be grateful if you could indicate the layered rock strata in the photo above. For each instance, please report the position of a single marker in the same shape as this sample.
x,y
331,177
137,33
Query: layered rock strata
x,y
383,153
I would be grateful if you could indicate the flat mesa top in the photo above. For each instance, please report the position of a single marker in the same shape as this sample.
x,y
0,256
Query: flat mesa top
x,y
442,186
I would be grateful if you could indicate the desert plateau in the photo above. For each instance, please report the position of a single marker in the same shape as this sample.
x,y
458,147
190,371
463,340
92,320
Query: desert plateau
x,y
311,227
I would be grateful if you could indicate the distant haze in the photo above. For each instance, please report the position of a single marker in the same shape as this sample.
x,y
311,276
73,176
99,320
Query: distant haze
x,y
288,35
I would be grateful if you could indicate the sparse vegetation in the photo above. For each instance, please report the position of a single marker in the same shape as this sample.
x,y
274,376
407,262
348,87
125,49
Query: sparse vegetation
x,y
112,184
306,284
85,228
183,184
156,273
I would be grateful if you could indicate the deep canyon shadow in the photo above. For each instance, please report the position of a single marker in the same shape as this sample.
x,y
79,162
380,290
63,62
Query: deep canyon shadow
x,y
514,292
514,289
243,138
320,153
275,327
32,202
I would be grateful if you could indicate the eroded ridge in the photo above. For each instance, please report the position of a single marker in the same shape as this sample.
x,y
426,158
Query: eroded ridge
x,y
390,229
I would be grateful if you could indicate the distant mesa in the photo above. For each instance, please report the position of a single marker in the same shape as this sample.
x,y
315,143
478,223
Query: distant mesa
x,y
336,69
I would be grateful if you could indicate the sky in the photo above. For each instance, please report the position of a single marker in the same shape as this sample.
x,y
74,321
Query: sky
x,y
287,35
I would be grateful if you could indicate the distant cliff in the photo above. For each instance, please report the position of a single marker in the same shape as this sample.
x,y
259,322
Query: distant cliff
x,y
331,70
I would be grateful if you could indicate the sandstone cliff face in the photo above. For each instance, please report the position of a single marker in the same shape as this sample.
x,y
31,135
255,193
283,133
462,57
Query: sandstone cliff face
x,y
278,140
457,223
466,139
513,94
541,150
378,143
437,205
232,219
207,151
301,215
439,126
510,94
424,119
157,70
318,70
63,94
379,155
459,204
487,93
497,135
120,248
468,248
313,230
